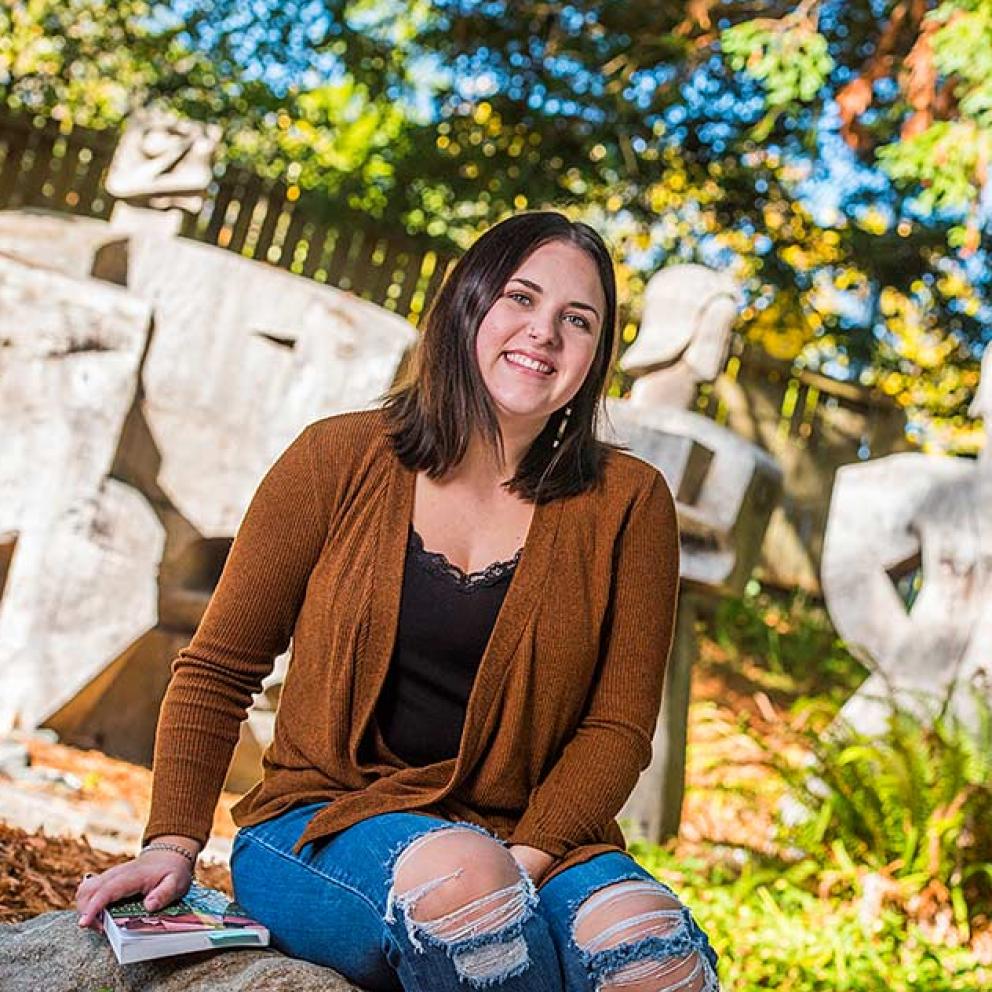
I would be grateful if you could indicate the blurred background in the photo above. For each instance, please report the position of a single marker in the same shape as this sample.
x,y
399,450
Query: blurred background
x,y
833,156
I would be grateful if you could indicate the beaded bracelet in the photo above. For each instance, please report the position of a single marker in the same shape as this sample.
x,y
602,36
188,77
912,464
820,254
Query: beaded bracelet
x,y
161,845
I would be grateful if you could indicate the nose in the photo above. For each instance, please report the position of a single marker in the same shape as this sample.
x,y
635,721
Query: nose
x,y
543,328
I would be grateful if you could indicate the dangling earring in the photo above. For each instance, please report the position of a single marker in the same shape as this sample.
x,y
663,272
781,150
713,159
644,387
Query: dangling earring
x,y
562,426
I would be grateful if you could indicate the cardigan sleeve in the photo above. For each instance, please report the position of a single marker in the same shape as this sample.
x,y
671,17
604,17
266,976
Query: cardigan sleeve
x,y
248,622
599,766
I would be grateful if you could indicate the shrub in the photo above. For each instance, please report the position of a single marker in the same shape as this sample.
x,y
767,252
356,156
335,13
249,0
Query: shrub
x,y
914,805
790,637
772,932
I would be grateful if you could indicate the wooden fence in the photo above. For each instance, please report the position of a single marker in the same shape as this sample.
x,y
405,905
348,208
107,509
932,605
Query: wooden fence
x,y
48,166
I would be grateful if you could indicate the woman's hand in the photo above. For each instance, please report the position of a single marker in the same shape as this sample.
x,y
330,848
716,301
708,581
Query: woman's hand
x,y
533,861
160,876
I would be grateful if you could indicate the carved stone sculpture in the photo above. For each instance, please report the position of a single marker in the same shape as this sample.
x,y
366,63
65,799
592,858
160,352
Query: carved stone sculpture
x,y
725,489
725,486
688,314
83,547
907,576
163,161
128,458
129,451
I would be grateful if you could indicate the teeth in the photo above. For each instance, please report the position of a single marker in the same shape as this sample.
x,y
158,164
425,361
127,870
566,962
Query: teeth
x,y
528,363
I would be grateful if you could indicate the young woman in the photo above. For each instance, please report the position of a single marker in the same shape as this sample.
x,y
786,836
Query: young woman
x,y
480,597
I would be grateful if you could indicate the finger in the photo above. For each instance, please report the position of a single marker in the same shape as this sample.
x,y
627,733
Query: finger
x,y
163,893
88,881
110,890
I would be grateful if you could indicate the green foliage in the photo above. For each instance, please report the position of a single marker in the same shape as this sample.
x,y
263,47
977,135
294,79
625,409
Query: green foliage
x,y
791,638
884,867
90,63
884,884
792,62
914,803
912,86
936,140
338,141
947,164
685,132
963,52
943,159
773,931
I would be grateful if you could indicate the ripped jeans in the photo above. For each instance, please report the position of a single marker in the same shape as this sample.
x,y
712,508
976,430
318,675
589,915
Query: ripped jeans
x,y
602,925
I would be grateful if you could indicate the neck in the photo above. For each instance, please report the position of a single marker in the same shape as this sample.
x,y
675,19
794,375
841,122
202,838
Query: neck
x,y
481,466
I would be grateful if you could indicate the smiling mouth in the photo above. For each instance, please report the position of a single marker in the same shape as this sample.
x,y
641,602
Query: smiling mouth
x,y
526,362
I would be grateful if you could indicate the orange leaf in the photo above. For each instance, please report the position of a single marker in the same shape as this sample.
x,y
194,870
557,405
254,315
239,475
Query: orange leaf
x,y
915,124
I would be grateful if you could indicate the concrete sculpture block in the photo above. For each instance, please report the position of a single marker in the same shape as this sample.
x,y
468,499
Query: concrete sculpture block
x,y
69,357
62,243
725,489
137,422
242,357
234,358
907,576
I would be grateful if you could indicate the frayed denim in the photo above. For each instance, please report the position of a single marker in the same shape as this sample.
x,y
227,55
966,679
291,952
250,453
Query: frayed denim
x,y
335,903
485,938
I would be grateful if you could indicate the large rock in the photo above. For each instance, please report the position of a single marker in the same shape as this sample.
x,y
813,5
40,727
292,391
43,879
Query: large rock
x,y
50,953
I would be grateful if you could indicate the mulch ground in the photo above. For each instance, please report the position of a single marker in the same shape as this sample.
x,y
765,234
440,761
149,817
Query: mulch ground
x,y
40,873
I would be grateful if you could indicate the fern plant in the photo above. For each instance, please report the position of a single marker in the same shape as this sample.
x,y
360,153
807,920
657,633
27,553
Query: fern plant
x,y
914,803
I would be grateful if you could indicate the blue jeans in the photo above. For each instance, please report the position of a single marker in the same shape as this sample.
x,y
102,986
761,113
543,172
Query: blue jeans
x,y
334,904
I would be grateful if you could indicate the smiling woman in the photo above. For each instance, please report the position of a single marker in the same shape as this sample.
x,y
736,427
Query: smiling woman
x,y
536,287
536,344
480,596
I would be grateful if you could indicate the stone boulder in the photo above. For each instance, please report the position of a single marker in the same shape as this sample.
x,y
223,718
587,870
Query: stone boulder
x,y
50,952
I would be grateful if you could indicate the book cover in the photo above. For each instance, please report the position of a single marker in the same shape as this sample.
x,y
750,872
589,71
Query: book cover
x,y
204,919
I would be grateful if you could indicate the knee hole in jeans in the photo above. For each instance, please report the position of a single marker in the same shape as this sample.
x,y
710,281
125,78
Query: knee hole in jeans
x,y
620,917
464,891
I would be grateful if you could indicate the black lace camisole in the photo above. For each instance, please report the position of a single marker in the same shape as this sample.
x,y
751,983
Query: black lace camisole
x,y
446,617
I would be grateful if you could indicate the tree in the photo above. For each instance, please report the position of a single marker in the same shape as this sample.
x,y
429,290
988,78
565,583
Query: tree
x,y
830,153
909,86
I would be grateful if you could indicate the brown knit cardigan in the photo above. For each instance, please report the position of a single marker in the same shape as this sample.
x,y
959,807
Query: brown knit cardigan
x,y
561,715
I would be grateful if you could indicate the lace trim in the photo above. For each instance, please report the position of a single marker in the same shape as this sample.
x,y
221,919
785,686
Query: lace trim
x,y
437,564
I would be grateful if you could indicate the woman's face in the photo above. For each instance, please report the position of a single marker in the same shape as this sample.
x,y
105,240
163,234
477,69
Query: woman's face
x,y
538,340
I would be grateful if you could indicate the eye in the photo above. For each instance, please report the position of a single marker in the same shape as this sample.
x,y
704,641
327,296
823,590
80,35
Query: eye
x,y
578,321
518,297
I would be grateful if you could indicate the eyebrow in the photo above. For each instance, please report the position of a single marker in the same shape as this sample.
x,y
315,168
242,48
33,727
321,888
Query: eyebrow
x,y
578,304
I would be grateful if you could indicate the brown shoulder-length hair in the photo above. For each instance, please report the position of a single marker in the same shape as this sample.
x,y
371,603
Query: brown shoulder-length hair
x,y
442,399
